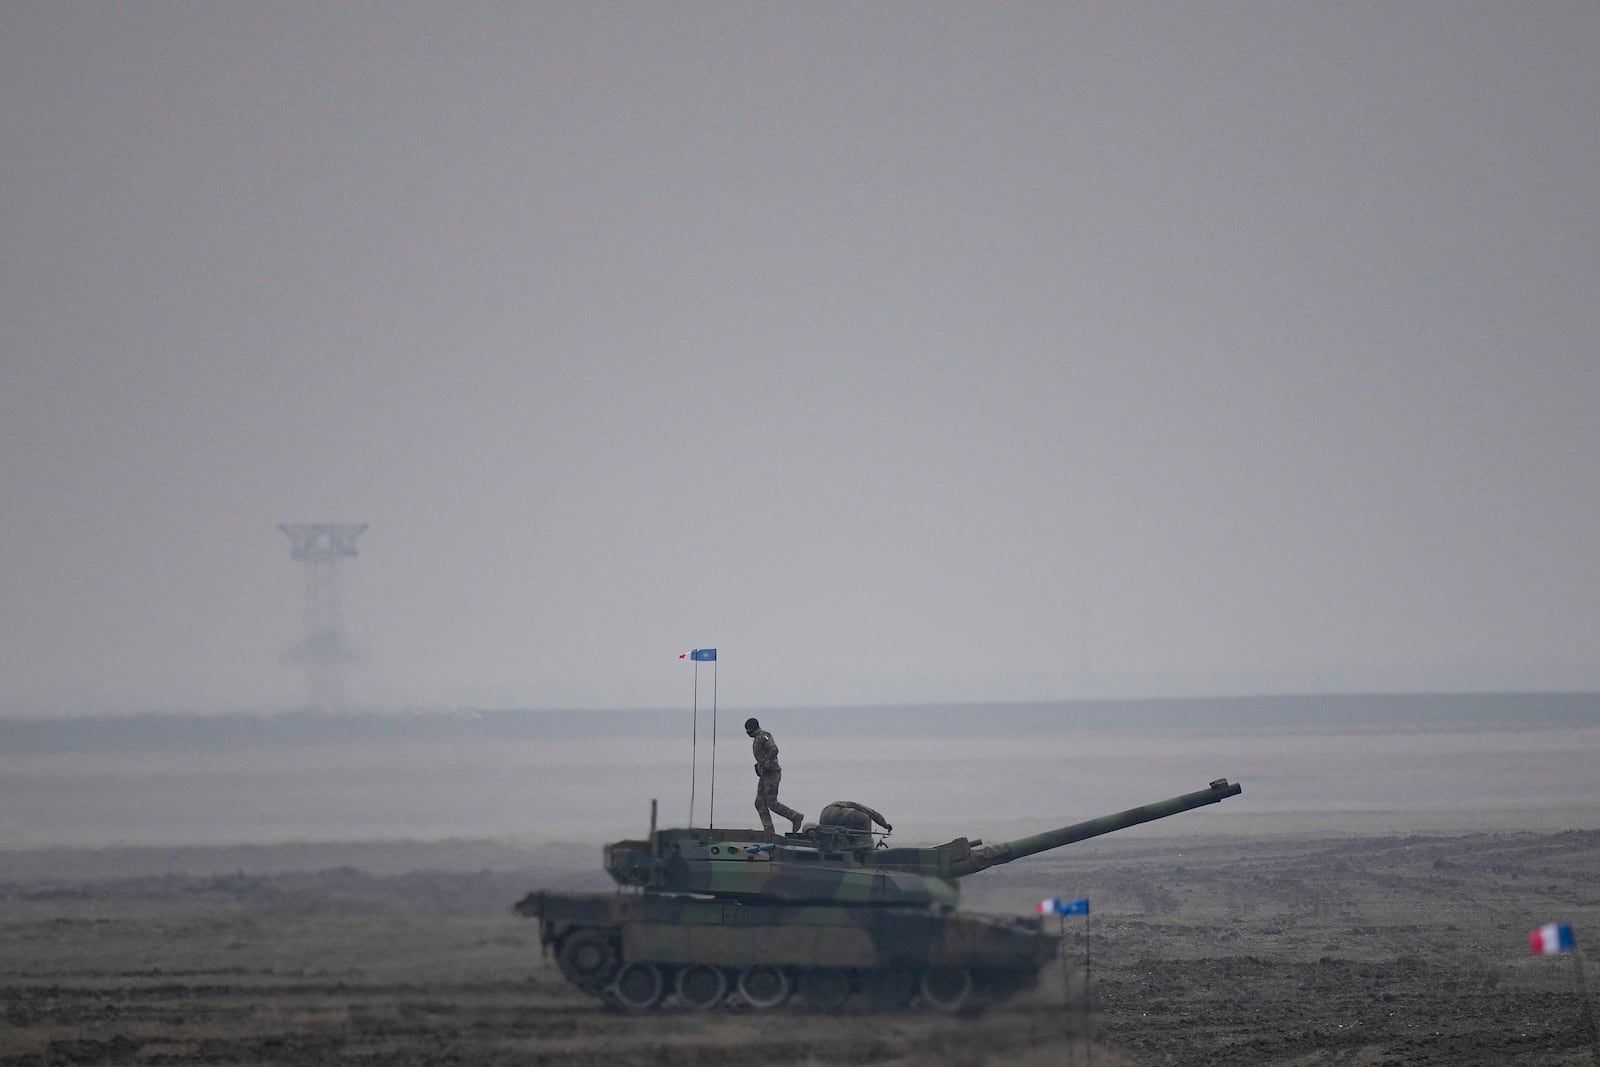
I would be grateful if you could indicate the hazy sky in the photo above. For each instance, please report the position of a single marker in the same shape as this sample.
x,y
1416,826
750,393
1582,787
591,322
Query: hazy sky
x,y
902,352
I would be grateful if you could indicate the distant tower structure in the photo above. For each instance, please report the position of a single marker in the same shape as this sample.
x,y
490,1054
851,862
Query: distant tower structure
x,y
325,652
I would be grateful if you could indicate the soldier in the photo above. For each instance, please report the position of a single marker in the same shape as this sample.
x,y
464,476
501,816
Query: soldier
x,y
768,775
850,823
852,816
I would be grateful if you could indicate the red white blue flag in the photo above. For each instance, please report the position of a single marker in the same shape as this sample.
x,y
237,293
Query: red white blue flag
x,y
1057,906
1551,939
701,654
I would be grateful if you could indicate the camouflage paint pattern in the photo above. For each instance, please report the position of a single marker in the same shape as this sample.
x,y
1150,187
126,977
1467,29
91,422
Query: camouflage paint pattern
x,y
673,930
802,868
718,904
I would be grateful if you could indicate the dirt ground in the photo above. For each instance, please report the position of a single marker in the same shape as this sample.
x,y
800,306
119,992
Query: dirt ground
x,y
1302,950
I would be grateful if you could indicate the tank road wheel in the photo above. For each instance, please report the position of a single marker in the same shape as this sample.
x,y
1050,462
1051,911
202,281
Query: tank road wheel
x,y
997,985
701,986
588,959
640,986
887,990
763,987
947,989
825,990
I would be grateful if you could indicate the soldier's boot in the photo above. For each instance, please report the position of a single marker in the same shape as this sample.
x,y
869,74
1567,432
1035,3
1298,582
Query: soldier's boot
x,y
787,812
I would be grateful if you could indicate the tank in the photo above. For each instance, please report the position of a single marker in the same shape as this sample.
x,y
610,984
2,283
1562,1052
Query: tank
x,y
704,916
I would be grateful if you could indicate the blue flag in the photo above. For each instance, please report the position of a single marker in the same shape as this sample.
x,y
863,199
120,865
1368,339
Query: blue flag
x,y
1057,906
704,655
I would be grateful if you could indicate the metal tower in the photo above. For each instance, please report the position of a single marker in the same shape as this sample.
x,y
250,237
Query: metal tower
x,y
326,651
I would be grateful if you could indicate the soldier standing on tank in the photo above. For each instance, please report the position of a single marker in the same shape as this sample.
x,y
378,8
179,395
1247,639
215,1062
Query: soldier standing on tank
x,y
768,776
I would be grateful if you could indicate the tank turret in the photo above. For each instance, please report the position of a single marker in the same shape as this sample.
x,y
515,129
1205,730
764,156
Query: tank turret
x,y
812,867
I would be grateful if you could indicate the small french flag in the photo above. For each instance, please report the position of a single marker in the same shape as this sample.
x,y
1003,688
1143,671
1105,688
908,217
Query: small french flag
x,y
700,655
1057,906
1551,939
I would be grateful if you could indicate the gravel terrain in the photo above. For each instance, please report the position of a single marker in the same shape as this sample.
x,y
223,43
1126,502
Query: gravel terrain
x,y
1290,949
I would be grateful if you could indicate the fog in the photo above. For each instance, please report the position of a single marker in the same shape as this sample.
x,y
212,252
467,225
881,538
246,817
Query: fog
x,y
903,353
1374,765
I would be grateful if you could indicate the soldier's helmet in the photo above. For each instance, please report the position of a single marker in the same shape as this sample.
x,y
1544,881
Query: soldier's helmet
x,y
751,726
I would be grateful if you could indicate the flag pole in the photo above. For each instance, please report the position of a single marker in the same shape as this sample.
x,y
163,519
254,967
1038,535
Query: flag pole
x,y
1066,989
712,820
694,740
1088,991
1583,999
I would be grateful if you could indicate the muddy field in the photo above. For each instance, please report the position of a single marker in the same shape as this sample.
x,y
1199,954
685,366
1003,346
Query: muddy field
x,y
1284,950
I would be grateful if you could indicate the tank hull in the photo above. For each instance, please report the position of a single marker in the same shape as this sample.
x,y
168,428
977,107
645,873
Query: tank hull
x,y
828,955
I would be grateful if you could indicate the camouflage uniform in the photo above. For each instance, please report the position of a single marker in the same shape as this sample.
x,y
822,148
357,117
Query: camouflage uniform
x,y
851,816
768,777
848,824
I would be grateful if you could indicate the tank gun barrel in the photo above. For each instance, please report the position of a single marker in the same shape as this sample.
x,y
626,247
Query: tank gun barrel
x,y
984,857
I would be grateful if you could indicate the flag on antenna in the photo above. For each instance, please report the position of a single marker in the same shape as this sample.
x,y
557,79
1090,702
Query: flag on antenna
x,y
703,654
1551,939
1057,906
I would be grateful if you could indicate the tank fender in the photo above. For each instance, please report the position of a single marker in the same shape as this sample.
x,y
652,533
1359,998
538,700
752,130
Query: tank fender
x,y
530,906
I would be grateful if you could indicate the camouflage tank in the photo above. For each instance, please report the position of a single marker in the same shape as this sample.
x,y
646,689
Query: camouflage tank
x,y
822,913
